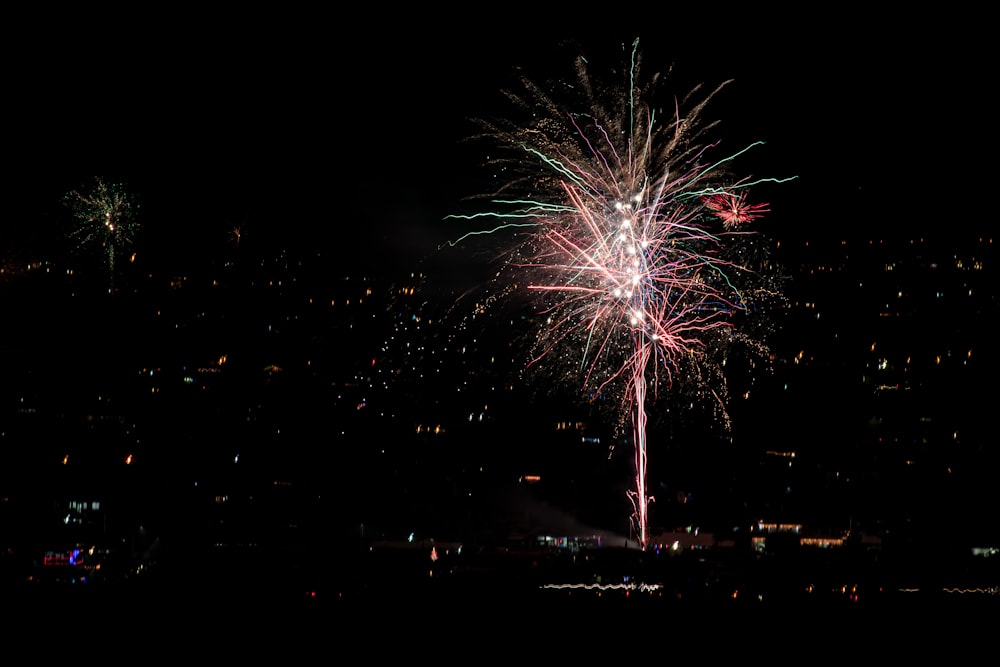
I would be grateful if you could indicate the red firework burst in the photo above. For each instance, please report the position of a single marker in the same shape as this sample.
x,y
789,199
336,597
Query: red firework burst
x,y
733,209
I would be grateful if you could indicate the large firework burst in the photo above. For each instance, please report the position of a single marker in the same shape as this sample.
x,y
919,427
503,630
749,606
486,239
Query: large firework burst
x,y
630,241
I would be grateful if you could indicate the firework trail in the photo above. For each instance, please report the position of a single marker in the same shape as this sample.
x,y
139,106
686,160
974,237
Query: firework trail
x,y
631,243
105,219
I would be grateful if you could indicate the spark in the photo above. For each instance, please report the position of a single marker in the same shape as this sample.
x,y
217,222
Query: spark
x,y
630,243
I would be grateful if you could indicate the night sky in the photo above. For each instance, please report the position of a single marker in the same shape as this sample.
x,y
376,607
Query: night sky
x,y
349,129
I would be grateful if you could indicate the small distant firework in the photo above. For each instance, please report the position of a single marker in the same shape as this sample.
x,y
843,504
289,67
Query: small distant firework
x,y
105,220
630,243
732,208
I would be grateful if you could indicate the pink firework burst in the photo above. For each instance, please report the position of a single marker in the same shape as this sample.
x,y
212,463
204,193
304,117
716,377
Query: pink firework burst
x,y
621,252
732,208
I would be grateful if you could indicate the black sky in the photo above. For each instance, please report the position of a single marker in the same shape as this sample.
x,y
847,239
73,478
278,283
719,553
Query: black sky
x,y
308,127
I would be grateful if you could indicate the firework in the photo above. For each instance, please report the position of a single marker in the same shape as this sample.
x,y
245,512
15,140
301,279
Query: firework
x,y
629,241
732,208
105,219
